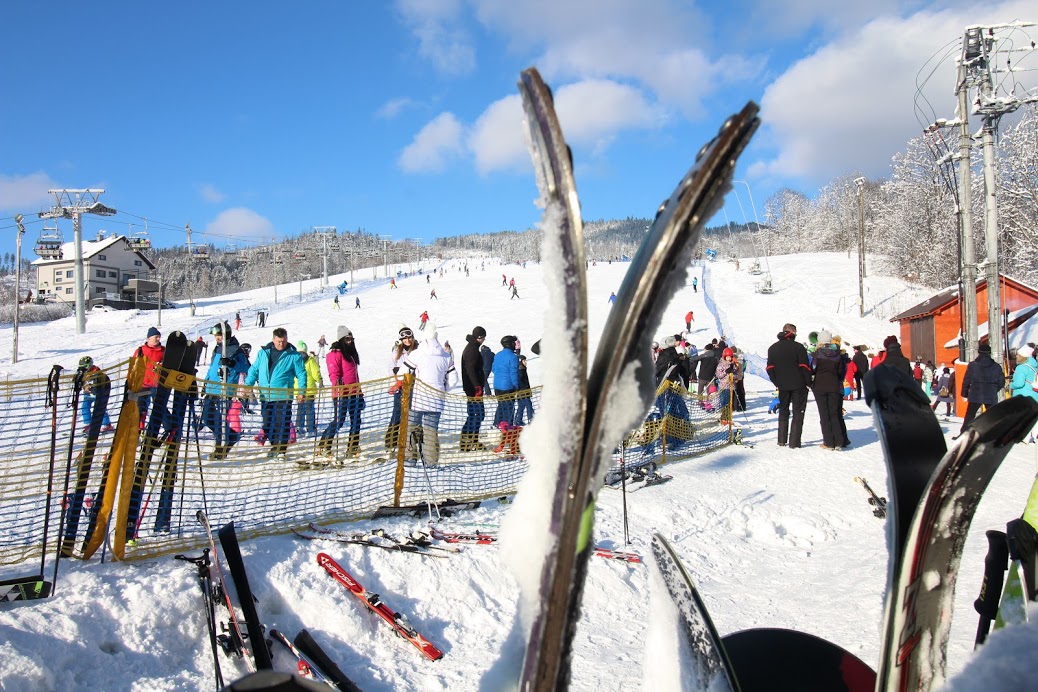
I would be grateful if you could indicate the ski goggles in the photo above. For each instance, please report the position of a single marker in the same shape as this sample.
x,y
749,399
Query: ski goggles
x,y
406,334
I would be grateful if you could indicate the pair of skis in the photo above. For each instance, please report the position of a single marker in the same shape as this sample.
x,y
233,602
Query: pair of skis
x,y
312,662
417,543
659,268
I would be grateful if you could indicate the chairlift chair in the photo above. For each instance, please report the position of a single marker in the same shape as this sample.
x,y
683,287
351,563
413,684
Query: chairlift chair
x,y
48,245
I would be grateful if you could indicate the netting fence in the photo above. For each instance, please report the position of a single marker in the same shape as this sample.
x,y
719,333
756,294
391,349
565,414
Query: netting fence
x,y
137,487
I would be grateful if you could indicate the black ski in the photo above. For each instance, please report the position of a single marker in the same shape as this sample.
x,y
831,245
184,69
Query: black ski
x,y
713,670
182,382
879,504
233,640
370,540
246,601
660,265
768,659
24,589
308,646
172,360
210,595
913,654
101,386
447,508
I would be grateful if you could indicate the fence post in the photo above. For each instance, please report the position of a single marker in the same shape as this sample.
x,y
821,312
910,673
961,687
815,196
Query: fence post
x,y
401,440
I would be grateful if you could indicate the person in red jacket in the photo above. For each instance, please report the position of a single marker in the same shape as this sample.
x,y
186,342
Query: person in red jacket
x,y
689,319
152,351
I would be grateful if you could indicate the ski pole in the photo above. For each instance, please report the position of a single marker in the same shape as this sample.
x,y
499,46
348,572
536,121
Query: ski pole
x,y
77,386
623,487
52,401
996,562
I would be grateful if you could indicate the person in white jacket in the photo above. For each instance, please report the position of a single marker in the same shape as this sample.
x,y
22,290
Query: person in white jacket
x,y
434,371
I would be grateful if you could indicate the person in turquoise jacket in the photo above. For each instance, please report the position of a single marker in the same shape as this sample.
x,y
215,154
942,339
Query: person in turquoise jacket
x,y
1024,375
277,369
227,370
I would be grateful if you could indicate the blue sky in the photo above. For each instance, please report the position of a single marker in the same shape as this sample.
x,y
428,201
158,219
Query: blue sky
x,y
262,119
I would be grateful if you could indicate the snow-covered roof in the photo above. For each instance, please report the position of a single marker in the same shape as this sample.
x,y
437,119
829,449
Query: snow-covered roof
x,y
1025,330
950,295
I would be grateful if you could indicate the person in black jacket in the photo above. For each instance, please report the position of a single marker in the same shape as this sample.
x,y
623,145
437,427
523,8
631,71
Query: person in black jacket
x,y
894,356
708,359
983,380
672,367
790,372
473,381
861,364
829,372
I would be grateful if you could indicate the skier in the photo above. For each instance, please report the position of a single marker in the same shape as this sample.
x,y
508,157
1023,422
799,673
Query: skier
x,y
432,295
356,303
892,355
152,351
424,319
428,278
504,280
515,293
306,421
343,362
392,283
434,368
524,404
278,366
861,364
790,372
828,388
946,392
612,298
237,321
981,384
728,371
695,284
689,319
322,343
95,383
335,302
404,345
506,380
201,347
229,365
474,382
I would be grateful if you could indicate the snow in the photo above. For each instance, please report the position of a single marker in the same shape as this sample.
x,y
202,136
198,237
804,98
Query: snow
x,y
774,537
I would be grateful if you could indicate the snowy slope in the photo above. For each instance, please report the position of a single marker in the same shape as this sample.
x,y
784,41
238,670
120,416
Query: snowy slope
x,y
775,537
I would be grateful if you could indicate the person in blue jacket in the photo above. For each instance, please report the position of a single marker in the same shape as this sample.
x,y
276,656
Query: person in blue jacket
x,y
277,369
226,371
506,380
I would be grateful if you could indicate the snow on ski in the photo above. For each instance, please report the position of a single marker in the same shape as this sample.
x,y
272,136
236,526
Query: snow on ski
x,y
246,601
621,363
308,646
712,668
373,602
919,597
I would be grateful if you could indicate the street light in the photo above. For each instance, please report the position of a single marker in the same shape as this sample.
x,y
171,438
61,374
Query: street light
x,y
17,281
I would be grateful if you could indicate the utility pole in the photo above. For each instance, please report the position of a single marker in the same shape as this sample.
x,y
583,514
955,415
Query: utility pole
x,y
17,282
860,184
72,204
324,231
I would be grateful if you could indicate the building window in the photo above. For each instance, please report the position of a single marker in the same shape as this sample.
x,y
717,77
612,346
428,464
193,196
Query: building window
x,y
57,278
136,263
68,291
113,275
100,273
69,273
103,258
99,289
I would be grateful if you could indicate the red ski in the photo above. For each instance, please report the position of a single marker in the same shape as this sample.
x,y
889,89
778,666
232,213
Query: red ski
x,y
618,555
374,603
478,538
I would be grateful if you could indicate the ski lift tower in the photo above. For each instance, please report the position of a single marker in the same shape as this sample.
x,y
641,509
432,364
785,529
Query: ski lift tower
x,y
72,204
325,232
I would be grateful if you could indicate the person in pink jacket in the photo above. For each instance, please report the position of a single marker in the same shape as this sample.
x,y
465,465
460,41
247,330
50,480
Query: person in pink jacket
x,y
343,362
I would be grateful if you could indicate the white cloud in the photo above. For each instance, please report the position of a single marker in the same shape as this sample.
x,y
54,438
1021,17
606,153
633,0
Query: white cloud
x,y
851,104
211,194
241,222
439,142
592,113
23,193
392,108
441,38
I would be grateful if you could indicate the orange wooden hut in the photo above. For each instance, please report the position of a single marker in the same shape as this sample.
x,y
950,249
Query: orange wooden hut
x,y
930,330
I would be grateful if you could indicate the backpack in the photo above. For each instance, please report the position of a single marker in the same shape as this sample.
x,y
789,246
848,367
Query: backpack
x,y
917,373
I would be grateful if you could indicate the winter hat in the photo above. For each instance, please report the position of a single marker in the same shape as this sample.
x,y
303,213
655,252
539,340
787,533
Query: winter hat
x,y
1025,351
430,331
154,332
890,341
984,348
727,352
669,342
655,346
825,337
508,342
342,331
479,332
85,362
301,346
837,339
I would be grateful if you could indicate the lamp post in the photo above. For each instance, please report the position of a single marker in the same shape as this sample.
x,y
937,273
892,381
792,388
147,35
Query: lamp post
x,y
17,281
